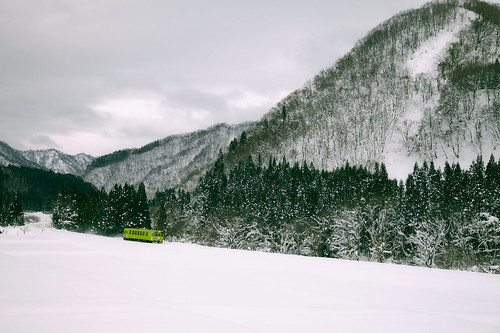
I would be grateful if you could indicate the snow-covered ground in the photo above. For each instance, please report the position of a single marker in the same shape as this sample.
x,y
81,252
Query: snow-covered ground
x,y
59,281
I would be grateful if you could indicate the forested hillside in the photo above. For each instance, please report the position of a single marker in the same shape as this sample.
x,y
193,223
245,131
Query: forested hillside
x,y
424,85
166,163
36,189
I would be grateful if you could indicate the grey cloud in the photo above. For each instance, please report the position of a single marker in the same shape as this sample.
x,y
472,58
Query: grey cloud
x,y
43,141
196,99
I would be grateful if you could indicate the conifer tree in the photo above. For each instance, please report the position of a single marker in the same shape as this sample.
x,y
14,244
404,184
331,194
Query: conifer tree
x,y
143,217
15,212
65,212
128,208
243,138
477,184
214,184
492,186
3,222
161,221
113,211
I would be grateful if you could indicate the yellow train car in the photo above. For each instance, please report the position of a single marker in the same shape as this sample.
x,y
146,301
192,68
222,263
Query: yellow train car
x,y
142,235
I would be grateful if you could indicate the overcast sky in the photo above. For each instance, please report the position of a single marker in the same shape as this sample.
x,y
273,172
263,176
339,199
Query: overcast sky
x,y
96,76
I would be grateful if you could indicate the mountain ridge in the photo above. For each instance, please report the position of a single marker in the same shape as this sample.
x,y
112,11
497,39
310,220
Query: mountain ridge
x,y
170,162
46,159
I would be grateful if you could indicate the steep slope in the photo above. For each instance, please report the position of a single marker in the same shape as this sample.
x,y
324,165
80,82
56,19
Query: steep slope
x,y
423,85
165,163
49,159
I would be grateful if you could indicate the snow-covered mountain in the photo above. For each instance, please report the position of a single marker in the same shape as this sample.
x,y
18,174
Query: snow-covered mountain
x,y
9,155
424,85
164,163
57,161
49,159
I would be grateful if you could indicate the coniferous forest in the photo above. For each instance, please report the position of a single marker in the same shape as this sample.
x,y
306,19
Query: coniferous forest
x,y
29,189
437,218
100,212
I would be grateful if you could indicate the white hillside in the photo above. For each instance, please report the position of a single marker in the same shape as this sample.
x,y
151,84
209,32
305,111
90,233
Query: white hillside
x,y
422,65
58,281
426,58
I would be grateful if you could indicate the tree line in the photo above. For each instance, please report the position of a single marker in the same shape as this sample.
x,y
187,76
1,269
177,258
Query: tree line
x,y
436,218
36,189
100,212
28,189
11,213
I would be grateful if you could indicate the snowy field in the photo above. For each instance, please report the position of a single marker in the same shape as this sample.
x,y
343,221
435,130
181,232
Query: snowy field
x,y
59,281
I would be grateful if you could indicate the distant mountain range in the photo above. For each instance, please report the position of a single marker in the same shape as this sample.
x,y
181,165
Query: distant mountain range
x,y
423,85
49,159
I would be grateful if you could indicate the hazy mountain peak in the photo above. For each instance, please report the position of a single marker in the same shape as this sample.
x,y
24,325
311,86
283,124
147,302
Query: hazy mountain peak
x,y
48,159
